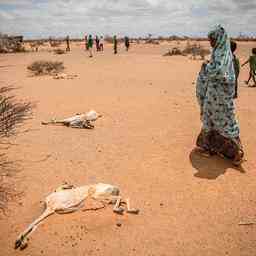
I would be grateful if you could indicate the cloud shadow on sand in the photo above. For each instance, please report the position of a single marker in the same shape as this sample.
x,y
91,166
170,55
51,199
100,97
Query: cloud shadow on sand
x,y
211,167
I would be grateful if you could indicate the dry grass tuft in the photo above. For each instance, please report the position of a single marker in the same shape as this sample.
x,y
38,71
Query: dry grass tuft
x,y
43,67
59,51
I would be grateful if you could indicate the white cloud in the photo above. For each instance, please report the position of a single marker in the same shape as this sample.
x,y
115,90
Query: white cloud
x,y
42,18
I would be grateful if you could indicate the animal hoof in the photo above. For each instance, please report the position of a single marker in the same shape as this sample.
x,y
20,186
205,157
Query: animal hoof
x,y
23,246
17,244
133,211
119,210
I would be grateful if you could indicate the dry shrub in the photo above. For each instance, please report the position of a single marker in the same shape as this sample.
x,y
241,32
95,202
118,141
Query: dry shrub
x,y
36,44
43,67
7,191
11,44
196,50
12,114
59,51
54,43
152,41
174,51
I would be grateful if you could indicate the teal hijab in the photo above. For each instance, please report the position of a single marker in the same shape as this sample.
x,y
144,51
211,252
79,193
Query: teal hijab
x,y
221,63
216,86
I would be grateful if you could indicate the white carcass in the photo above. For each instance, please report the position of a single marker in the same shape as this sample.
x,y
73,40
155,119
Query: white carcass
x,y
68,199
78,121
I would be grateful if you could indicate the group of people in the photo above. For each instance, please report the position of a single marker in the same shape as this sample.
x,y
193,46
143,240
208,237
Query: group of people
x,y
99,42
216,90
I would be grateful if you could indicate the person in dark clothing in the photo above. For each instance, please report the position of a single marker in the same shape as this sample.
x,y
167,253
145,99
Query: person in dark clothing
x,y
236,65
252,62
68,44
101,44
97,41
115,44
90,45
86,43
127,43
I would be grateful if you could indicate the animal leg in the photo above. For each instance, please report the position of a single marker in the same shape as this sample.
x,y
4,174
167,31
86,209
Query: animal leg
x,y
117,208
65,186
68,210
129,209
54,121
21,240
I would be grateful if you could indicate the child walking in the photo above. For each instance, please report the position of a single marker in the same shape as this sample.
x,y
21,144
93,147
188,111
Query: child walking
x,y
236,65
252,63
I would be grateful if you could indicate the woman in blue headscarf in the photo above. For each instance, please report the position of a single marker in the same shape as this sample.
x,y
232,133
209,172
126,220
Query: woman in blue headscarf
x,y
215,89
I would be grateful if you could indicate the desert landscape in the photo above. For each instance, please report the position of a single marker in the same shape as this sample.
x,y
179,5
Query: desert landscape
x,y
143,143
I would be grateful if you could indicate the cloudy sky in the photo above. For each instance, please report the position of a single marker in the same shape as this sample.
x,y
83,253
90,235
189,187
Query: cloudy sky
x,y
44,18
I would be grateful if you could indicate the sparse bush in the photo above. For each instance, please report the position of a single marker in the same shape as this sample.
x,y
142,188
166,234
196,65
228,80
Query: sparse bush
x,y
10,44
12,115
59,51
54,43
196,50
174,51
36,44
46,67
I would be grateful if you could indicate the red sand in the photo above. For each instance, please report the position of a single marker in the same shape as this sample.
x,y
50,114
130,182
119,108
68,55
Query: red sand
x,y
189,205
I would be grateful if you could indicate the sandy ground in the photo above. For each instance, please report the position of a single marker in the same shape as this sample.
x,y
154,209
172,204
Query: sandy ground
x,y
190,205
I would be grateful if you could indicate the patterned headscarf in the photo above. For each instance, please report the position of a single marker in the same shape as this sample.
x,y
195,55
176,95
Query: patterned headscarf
x,y
221,63
215,88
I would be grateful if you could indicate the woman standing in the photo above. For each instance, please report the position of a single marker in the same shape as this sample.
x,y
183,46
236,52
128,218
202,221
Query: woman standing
x,y
215,91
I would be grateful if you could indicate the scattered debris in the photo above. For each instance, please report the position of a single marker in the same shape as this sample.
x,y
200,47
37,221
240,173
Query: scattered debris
x,y
68,199
64,76
43,67
244,223
78,121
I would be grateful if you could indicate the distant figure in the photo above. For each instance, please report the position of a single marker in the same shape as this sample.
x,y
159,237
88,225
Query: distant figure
x,y
101,44
97,41
127,43
90,45
252,62
68,45
215,90
86,43
115,44
236,64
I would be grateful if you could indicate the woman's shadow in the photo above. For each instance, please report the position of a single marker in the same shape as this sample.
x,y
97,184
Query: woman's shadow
x,y
211,167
